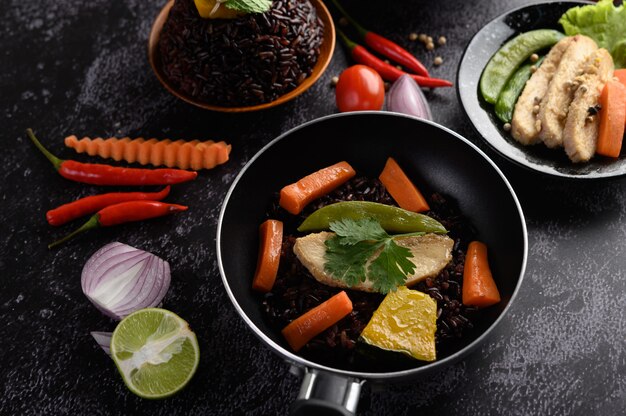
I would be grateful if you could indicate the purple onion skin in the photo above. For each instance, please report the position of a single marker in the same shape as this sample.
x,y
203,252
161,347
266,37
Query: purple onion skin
x,y
104,340
146,289
406,97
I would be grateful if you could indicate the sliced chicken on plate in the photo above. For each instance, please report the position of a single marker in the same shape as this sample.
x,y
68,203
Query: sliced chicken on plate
x,y
524,125
580,134
555,104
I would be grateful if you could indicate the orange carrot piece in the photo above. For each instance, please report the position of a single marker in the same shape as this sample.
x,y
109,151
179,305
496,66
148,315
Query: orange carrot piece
x,y
621,76
479,288
296,196
401,189
313,322
194,155
612,116
271,241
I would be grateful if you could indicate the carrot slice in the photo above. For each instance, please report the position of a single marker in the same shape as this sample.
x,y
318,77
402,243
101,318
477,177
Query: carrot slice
x,y
621,76
401,189
271,236
296,196
479,288
313,322
181,154
612,116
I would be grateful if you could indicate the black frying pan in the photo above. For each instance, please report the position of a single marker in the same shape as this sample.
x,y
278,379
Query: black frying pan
x,y
441,158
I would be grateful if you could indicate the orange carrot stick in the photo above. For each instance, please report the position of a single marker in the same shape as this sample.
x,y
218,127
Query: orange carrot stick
x,y
296,196
271,236
612,116
621,76
313,322
182,154
401,189
479,288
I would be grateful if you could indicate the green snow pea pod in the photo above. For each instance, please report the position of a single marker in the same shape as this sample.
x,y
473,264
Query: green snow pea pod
x,y
510,56
512,90
392,219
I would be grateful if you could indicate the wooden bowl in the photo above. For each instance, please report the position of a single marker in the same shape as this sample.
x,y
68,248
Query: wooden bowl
x,y
326,52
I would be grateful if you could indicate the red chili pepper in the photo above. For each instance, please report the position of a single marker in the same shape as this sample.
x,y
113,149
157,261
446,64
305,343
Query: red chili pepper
x,y
122,213
387,72
99,174
385,46
90,204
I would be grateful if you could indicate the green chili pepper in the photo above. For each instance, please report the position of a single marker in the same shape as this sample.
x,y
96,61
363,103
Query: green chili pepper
x,y
509,57
512,90
392,219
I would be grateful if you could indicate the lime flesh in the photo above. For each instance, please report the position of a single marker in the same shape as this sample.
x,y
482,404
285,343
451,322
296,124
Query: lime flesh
x,y
155,351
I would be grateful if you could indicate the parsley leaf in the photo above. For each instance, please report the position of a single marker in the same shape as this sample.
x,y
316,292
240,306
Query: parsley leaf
x,y
354,231
391,267
347,262
249,6
356,242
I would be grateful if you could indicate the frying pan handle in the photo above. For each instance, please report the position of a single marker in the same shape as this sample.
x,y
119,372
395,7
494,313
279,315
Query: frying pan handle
x,y
328,394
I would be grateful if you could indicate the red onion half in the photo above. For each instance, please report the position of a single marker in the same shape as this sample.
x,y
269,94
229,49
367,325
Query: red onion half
x,y
406,97
119,279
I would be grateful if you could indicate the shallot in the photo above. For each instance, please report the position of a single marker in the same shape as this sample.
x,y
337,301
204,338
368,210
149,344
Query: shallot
x,y
405,96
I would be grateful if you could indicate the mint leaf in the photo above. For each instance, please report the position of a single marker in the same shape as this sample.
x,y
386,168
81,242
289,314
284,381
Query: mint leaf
x,y
249,6
391,267
354,231
356,242
604,23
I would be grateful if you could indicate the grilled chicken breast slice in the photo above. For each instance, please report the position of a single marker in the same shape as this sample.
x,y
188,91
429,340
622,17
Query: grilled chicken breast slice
x,y
524,124
555,104
431,254
580,134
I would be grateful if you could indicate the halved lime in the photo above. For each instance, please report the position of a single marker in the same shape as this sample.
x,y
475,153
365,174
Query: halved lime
x,y
155,351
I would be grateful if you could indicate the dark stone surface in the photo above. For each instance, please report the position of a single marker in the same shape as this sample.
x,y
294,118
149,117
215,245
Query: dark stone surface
x,y
74,67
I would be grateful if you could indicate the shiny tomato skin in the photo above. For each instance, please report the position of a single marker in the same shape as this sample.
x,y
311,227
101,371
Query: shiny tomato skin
x,y
359,88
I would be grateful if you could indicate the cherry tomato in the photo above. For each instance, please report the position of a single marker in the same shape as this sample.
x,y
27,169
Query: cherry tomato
x,y
360,88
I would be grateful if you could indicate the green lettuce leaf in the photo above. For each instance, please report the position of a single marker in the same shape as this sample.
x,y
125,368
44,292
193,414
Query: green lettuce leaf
x,y
604,23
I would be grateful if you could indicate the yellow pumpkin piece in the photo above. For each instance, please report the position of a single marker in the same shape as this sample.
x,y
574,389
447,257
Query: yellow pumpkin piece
x,y
405,322
207,10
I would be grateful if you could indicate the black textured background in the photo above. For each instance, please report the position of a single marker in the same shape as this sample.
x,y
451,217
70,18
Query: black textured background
x,y
76,67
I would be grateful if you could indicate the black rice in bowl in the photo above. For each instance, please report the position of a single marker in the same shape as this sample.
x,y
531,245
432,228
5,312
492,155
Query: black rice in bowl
x,y
250,60
296,291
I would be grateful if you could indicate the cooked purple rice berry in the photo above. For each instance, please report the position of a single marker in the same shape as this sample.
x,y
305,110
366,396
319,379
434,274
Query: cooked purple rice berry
x,y
296,291
250,60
